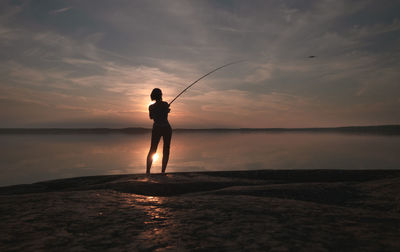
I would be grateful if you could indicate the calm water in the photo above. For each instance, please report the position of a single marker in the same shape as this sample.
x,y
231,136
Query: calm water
x,y
32,158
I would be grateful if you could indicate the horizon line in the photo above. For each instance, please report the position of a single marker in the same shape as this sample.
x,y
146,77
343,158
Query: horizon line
x,y
212,128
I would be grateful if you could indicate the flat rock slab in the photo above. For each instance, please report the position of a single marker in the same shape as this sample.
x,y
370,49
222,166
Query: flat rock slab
x,y
221,211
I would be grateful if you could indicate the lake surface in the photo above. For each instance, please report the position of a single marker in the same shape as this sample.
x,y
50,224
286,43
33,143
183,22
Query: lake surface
x,y
33,158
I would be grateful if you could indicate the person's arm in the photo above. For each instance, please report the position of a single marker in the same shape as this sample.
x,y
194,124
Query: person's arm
x,y
150,112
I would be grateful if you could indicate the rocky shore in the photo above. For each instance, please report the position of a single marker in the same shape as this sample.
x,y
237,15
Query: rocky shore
x,y
267,210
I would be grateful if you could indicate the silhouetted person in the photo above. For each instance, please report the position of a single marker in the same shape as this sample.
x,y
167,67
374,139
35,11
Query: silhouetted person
x,y
161,128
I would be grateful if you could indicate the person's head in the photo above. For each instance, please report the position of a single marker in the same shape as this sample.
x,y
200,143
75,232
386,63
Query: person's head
x,y
156,95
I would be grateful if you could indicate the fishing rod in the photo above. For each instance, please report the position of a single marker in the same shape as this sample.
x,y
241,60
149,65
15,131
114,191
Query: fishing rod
x,y
183,91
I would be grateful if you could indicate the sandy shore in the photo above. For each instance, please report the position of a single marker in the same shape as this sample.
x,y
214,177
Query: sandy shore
x,y
318,210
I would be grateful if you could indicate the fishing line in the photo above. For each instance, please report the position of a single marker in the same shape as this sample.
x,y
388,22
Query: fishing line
x,y
216,69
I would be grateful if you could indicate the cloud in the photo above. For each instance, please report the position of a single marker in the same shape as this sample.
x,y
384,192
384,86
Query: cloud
x,y
261,73
104,59
58,11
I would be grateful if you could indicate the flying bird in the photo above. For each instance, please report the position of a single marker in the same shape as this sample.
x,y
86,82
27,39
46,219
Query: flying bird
x,y
312,56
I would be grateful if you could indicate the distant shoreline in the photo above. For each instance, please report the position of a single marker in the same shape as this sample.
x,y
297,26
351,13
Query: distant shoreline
x,y
379,129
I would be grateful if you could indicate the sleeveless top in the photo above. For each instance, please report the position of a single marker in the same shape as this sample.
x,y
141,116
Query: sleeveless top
x,y
159,113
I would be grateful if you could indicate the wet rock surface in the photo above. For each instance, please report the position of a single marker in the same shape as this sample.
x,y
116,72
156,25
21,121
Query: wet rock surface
x,y
223,211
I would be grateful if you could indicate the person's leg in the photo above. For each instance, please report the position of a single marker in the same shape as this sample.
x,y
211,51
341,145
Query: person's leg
x,y
155,139
167,142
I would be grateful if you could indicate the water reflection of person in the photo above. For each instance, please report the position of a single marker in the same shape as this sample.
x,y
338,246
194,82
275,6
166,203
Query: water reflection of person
x,y
158,111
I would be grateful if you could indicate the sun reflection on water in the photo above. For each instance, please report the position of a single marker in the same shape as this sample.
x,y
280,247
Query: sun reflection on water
x,y
155,157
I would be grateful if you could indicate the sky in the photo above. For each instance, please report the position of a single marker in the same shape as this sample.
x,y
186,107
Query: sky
x,y
77,63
